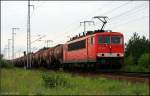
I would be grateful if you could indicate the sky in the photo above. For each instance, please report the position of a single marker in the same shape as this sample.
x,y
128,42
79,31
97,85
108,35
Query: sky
x,y
58,20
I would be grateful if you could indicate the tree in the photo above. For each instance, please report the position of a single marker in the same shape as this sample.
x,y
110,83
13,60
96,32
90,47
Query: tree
x,y
144,60
136,46
1,56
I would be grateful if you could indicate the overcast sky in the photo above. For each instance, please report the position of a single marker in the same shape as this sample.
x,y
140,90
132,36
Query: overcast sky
x,y
60,19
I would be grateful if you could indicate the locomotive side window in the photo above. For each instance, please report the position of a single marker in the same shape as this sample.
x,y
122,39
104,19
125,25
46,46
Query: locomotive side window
x,y
77,45
104,40
116,40
89,40
92,40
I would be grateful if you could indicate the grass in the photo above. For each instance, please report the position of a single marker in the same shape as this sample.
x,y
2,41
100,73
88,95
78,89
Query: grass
x,y
30,82
5,64
135,68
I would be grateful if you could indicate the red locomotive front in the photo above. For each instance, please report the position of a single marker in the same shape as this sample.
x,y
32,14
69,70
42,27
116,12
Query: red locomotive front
x,y
110,48
96,49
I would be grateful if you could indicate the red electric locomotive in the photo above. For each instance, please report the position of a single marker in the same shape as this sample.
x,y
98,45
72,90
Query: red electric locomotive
x,y
95,48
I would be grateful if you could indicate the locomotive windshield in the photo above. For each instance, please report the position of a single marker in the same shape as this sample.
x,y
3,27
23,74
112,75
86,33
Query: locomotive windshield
x,y
110,40
116,39
104,39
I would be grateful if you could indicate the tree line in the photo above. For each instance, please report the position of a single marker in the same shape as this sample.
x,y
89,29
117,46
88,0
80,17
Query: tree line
x,y
137,53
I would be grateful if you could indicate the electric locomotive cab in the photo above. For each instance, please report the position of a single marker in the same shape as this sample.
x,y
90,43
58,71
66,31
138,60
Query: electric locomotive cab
x,y
109,48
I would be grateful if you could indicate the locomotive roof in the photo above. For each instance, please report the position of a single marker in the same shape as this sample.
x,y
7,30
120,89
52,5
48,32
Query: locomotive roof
x,y
108,33
93,33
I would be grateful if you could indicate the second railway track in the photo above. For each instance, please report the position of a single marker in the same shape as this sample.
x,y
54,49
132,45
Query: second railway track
x,y
134,77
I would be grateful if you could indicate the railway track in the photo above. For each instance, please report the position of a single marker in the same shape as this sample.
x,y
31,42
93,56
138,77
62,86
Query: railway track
x,y
129,74
134,77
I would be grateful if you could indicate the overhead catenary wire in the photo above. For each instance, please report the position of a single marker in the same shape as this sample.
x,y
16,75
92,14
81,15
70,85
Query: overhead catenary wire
x,y
122,21
128,15
128,11
122,18
124,14
38,39
116,8
136,19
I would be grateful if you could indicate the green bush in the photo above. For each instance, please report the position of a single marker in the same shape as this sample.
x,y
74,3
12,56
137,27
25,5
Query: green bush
x,y
55,80
144,61
5,64
136,46
142,66
130,65
129,60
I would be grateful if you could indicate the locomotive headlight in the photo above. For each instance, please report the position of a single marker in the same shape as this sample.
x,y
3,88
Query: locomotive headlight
x,y
121,54
98,54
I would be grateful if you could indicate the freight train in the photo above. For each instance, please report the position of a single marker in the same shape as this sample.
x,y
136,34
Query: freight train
x,y
93,49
